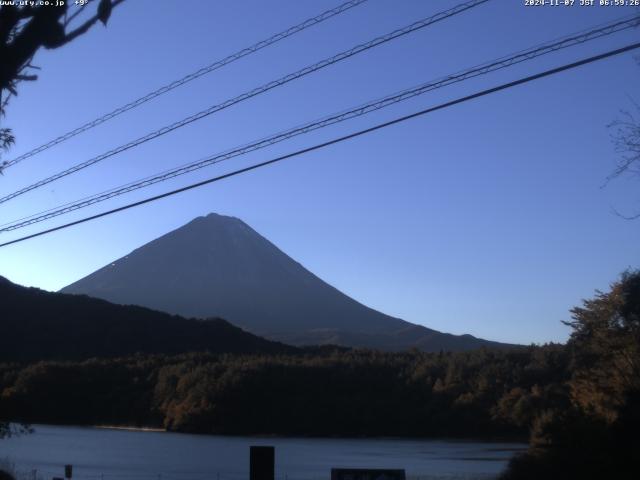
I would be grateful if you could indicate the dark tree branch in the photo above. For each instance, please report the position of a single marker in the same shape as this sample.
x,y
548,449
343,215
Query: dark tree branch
x,y
23,31
28,78
43,26
84,28
626,217
626,141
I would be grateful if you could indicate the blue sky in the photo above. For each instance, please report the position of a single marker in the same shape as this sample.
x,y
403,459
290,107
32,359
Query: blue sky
x,y
486,218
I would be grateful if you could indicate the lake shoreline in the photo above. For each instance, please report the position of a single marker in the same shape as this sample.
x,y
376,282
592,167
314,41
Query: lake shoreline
x,y
119,427
114,454
454,439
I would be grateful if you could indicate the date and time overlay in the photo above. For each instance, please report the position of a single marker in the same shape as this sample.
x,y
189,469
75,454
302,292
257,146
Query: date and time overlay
x,y
526,3
581,3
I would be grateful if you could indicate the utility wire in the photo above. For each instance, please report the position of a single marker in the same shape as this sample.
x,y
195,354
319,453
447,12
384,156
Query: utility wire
x,y
503,62
350,136
310,22
256,91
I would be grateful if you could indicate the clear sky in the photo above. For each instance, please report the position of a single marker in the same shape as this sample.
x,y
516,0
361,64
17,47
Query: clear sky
x,y
486,218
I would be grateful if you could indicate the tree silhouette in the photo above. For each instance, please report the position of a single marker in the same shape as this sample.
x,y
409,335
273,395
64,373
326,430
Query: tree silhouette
x,y
5,475
626,140
25,29
594,435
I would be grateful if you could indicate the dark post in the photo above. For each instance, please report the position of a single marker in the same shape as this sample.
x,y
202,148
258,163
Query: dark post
x,y
262,463
68,471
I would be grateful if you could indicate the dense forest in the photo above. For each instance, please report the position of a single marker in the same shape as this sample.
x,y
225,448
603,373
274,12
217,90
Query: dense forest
x,y
336,392
578,402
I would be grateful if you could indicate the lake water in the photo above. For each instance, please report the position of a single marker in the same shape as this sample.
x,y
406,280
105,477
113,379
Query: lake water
x,y
108,454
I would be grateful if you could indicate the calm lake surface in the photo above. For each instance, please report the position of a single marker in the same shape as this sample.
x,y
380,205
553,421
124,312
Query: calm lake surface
x,y
98,454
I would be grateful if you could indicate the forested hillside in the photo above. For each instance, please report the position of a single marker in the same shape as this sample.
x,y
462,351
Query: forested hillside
x,y
579,402
39,325
482,393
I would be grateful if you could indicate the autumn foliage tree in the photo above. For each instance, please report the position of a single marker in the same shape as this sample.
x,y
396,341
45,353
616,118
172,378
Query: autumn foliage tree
x,y
595,434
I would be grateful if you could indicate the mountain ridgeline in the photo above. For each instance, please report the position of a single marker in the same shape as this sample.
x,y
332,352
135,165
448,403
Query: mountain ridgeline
x,y
218,266
39,325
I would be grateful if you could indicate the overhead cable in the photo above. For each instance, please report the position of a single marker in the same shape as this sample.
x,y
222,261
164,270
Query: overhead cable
x,y
252,93
482,69
334,141
310,22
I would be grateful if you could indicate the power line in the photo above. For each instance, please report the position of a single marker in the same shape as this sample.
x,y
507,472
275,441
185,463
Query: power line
x,y
319,146
503,62
310,22
256,91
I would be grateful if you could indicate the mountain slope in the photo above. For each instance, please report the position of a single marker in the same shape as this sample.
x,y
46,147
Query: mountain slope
x,y
39,325
219,266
